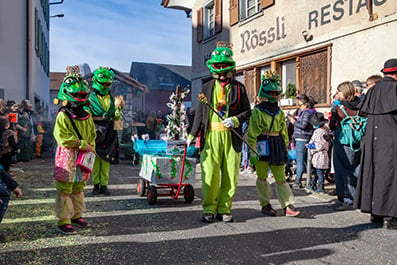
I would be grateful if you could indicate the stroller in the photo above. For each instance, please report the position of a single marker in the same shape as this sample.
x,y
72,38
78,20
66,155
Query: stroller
x,y
290,166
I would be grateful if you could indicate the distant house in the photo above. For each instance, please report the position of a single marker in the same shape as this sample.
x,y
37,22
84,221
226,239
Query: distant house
x,y
124,85
161,80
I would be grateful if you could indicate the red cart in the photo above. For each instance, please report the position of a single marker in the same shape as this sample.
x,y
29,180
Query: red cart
x,y
160,176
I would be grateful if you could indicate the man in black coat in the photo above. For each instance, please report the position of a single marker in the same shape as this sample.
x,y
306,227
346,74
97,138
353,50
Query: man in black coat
x,y
377,184
220,147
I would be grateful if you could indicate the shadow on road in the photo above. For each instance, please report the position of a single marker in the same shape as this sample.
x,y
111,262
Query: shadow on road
x,y
271,247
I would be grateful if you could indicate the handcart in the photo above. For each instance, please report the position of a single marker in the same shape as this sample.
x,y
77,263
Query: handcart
x,y
166,170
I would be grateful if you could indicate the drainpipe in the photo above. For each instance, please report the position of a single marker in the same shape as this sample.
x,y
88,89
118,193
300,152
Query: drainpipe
x,y
370,10
27,49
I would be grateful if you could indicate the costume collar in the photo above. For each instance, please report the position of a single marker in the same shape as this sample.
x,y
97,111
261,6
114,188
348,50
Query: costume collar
x,y
75,111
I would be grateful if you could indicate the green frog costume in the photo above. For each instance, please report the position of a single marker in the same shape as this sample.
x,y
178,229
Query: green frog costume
x,y
104,114
220,148
70,179
267,134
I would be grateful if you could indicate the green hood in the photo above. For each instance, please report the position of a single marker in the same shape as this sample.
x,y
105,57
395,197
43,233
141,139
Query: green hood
x,y
103,80
221,60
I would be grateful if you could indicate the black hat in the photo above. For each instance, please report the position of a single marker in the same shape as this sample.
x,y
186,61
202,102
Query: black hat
x,y
303,97
317,119
390,66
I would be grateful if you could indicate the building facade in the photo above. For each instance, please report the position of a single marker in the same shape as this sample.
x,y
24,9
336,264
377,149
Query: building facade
x,y
314,45
24,53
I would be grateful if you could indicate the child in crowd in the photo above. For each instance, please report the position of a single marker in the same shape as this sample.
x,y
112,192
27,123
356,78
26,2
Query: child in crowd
x,y
267,134
318,148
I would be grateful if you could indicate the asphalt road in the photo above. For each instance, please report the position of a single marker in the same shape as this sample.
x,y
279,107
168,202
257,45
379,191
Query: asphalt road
x,y
125,229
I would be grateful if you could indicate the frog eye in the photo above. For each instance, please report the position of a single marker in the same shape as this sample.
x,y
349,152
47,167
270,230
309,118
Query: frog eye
x,y
226,53
266,82
100,75
69,81
215,53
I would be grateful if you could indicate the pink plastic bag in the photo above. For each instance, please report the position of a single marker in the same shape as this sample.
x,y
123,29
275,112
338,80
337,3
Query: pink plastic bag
x,y
85,160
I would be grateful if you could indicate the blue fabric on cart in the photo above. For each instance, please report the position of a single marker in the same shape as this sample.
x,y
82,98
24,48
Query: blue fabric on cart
x,y
157,147
150,147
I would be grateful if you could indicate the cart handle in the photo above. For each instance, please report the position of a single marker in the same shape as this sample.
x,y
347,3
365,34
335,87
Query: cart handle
x,y
181,177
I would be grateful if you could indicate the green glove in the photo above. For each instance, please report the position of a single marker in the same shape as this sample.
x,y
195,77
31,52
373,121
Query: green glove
x,y
254,159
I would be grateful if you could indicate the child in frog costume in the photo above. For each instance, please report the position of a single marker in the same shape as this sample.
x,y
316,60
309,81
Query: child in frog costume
x,y
104,114
267,134
220,148
74,131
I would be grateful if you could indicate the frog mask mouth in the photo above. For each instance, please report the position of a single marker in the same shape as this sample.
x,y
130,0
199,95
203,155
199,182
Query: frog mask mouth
x,y
221,66
105,84
79,96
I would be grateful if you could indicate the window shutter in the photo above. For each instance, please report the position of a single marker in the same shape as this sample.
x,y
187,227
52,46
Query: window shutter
x,y
200,25
233,11
266,3
218,16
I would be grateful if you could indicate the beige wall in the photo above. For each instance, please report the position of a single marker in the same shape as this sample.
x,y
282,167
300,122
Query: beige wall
x,y
359,46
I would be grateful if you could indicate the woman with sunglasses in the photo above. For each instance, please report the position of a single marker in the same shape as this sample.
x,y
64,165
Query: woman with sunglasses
x,y
303,131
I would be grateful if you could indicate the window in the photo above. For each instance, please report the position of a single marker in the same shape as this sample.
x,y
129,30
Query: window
x,y
242,9
209,20
264,69
288,74
41,46
249,8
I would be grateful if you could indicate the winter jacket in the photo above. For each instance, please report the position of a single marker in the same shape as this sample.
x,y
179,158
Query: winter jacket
x,y
320,158
302,127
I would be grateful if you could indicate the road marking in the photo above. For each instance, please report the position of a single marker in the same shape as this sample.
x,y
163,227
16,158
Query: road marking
x,y
154,210
87,199
90,187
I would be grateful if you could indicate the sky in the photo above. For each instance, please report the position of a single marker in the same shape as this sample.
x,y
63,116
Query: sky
x,y
115,33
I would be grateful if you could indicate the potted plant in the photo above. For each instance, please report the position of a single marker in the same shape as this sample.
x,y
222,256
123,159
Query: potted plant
x,y
290,94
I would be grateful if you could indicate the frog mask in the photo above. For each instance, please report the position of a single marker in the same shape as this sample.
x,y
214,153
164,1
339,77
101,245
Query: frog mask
x,y
270,89
74,87
103,80
221,61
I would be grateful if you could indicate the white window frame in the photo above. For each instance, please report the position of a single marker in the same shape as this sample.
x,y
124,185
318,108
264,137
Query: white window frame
x,y
209,20
288,77
245,9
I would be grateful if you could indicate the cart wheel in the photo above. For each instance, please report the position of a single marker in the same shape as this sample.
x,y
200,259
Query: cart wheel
x,y
141,187
188,193
330,177
152,194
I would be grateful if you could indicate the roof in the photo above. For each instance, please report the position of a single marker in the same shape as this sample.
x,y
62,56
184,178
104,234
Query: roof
x,y
161,76
124,77
56,79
